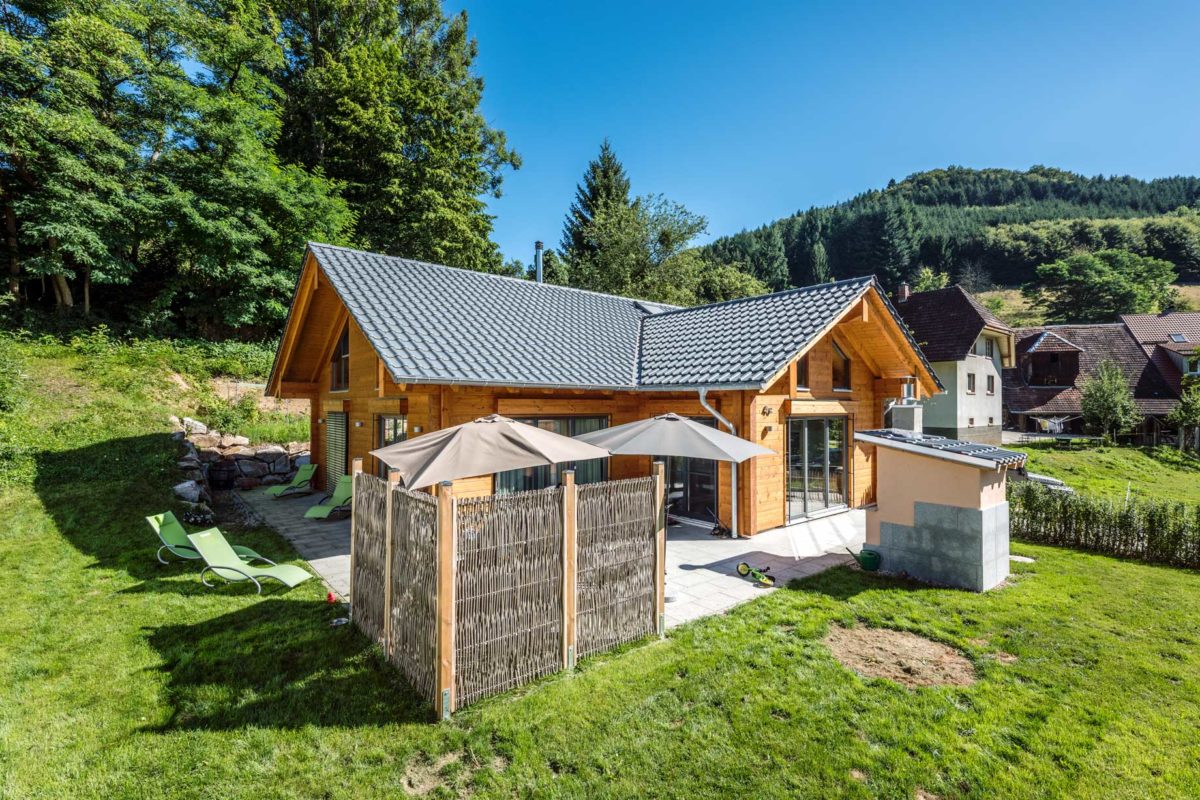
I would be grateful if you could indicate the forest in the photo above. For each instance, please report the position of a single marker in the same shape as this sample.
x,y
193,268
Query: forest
x,y
163,162
982,227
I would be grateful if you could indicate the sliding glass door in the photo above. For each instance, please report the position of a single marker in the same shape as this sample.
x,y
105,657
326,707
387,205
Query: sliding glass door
x,y
817,474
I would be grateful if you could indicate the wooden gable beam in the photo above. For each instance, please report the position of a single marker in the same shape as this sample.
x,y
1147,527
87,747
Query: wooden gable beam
x,y
898,343
335,332
305,289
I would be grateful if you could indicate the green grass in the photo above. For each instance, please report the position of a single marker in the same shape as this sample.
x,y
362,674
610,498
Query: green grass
x,y
122,678
1162,473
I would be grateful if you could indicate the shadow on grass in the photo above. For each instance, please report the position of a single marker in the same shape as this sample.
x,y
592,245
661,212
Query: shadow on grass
x,y
99,496
845,582
279,664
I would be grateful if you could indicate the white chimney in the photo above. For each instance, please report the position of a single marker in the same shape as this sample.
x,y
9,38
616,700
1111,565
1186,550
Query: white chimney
x,y
903,293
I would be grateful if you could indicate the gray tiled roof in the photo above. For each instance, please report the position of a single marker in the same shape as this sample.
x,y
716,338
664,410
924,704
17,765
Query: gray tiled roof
x,y
435,324
740,342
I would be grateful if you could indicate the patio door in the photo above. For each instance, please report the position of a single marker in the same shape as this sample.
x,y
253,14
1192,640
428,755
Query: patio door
x,y
692,485
816,465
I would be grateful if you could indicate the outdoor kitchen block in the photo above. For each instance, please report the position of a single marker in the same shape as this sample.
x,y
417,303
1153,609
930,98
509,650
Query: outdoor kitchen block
x,y
941,515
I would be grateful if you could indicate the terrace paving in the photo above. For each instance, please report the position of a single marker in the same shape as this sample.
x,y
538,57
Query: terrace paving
x,y
702,577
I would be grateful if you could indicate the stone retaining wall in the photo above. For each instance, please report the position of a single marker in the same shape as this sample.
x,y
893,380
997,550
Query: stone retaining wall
x,y
215,460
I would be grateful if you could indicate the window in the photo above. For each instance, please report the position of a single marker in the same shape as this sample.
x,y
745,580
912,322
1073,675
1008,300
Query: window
x,y
389,429
970,422
970,383
989,348
841,369
1178,338
521,480
339,363
802,372
1193,366
991,384
991,420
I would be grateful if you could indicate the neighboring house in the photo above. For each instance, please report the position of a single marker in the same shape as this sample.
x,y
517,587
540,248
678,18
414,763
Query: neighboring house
x,y
1172,340
1043,391
968,347
387,348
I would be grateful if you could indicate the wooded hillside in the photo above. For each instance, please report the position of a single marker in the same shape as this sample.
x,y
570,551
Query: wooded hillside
x,y
982,227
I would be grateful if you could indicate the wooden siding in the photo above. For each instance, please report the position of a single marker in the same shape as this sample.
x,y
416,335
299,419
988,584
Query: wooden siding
x,y
880,358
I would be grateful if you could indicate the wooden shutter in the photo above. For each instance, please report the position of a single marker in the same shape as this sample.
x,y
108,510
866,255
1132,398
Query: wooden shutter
x,y
335,448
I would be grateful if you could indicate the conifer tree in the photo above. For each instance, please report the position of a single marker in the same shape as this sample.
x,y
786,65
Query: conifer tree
x,y
604,184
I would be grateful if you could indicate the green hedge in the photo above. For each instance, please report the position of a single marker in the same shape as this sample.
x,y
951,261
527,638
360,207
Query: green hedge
x,y
1163,532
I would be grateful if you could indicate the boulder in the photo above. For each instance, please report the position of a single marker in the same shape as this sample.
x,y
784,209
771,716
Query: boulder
x,y
230,440
209,455
188,462
194,425
272,480
269,452
177,436
296,448
194,475
301,460
281,465
189,491
203,440
251,468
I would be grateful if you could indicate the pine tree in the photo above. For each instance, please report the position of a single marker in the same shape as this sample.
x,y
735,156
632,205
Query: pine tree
x,y
604,184
818,265
768,263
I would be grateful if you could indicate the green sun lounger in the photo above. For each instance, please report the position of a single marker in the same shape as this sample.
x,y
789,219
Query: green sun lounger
x,y
222,561
336,503
301,484
174,540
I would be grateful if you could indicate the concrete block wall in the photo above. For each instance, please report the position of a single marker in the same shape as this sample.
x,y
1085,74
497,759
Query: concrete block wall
x,y
961,547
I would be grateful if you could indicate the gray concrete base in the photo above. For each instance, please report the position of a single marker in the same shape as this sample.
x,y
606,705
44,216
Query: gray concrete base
x,y
983,434
962,547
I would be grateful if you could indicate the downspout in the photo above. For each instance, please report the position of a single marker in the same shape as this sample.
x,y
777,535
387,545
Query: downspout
x,y
733,528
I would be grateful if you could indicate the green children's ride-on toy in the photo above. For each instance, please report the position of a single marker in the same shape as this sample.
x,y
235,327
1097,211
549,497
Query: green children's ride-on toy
x,y
759,574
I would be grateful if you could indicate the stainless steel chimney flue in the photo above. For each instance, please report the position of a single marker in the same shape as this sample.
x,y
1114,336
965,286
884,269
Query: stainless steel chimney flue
x,y
537,260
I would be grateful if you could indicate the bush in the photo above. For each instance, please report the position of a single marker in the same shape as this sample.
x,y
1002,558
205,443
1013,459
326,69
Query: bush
x,y
1166,533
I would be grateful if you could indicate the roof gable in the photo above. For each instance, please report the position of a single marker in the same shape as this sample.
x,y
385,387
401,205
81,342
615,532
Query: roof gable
x,y
947,322
1158,328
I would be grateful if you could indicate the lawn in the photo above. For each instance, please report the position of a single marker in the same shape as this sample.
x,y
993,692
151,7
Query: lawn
x,y
122,678
1162,473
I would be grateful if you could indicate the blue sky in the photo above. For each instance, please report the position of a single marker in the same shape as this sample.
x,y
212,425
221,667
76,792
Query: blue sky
x,y
746,112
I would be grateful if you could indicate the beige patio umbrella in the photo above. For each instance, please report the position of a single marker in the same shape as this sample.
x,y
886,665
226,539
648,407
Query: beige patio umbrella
x,y
481,447
673,435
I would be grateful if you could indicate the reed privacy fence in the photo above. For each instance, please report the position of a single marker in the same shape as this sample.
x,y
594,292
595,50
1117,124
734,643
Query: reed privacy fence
x,y
469,597
1167,533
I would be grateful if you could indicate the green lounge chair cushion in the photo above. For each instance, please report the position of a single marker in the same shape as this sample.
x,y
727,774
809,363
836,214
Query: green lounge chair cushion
x,y
339,500
301,483
224,563
175,539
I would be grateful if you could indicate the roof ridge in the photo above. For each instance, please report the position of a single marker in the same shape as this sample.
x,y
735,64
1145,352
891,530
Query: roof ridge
x,y
781,293
522,281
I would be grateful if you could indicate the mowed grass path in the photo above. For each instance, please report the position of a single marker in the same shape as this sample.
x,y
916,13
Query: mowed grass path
x,y
121,678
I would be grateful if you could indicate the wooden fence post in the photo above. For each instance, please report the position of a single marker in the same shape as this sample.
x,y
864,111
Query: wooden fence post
x,y
447,533
570,567
355,469
660,548
389,534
